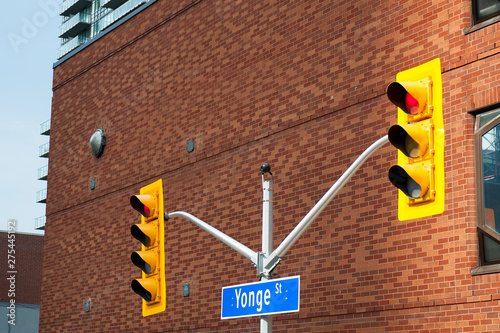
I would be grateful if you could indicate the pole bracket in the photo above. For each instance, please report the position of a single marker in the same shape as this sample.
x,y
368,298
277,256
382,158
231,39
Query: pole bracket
x,y
260,264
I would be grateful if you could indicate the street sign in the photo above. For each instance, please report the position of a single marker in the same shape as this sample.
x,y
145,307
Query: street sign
x,y
261,298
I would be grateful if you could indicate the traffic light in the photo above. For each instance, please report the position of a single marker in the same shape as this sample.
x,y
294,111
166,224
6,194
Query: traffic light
x,y
151,259
419,138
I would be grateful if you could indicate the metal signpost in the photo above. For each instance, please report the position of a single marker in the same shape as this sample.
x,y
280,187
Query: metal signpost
x,y
256,299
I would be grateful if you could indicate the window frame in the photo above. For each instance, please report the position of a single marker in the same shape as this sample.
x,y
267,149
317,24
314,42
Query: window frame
x,y
477,23
484,267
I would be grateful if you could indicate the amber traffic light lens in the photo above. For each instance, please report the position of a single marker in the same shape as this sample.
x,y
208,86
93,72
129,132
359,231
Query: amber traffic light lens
x,y
143,233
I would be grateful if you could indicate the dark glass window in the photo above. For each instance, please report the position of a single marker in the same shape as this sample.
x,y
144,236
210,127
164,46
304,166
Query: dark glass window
x,y
485,9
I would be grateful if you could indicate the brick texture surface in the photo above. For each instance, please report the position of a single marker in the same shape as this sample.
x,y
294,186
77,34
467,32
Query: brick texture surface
x,y
297,84
27,268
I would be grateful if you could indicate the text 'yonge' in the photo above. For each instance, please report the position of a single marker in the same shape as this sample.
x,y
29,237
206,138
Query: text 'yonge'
x,y
261,298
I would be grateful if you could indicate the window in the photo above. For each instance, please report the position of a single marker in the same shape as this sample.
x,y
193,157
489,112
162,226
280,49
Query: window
x,y
484,13
487,145
485,9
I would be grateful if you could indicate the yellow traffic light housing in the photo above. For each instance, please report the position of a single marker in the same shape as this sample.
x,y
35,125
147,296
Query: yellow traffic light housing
x,y
151,259
419,138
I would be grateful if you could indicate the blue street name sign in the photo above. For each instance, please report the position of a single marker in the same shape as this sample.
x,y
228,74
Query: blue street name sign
x,y
261,298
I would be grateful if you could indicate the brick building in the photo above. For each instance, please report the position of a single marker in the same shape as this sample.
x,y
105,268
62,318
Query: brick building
x,y
300,85
21,280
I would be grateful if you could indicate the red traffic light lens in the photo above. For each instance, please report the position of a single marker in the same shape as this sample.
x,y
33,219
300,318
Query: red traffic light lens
x,y
410,97
140,206
411,104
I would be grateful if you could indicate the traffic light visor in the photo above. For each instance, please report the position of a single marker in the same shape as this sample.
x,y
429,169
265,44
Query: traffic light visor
x,y
144,233
412,180
145,260
146,288
411,139
411,97
144,204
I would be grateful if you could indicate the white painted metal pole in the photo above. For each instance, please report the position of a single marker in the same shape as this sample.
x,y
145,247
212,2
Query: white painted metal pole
x,y
267,217
266,322
321,204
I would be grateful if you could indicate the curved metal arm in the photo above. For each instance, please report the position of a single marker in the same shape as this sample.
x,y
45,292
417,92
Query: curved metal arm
x,y
232,243
294,235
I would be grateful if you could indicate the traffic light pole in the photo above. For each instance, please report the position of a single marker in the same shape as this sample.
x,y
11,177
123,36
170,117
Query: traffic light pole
x,y
266,322
267,260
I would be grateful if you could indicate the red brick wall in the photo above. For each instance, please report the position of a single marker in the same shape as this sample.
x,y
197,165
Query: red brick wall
x,y
27,267
297,84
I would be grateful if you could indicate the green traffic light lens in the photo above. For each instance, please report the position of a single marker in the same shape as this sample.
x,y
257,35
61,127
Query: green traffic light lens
x,y
141,291
402,180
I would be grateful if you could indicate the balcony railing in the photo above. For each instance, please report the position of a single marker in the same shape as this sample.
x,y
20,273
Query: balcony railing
x,y
43,150
40,223
119,12
74,25
112,3
43,172
41,196
71,45
71,7
45,128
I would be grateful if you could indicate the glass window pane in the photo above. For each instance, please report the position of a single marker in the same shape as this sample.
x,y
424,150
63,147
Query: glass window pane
x,y
491,249
487,8
486,117
490,145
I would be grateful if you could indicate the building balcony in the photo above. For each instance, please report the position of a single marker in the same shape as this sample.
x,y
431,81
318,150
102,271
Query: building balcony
x,y
45,128
74,25
71,45
112,3
43,150
40,223
43,172
71,7
119,12
41,196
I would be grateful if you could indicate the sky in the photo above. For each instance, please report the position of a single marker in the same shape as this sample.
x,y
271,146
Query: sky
x,y
28,49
